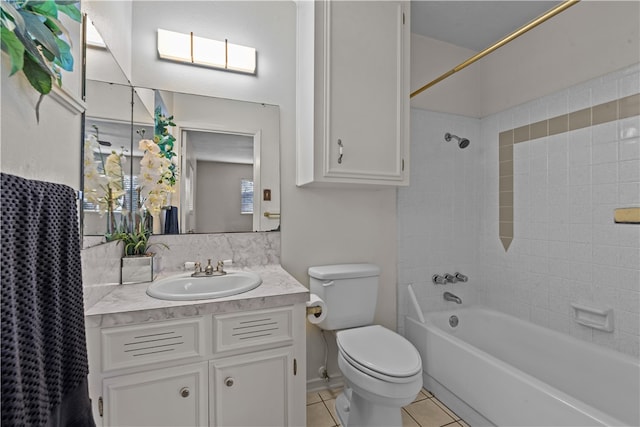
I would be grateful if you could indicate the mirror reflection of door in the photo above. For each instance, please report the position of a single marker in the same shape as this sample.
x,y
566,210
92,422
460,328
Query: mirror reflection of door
x,y
218,172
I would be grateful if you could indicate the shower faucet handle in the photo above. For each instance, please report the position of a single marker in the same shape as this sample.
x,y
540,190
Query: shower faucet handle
x,y
449,278
438,280
461,277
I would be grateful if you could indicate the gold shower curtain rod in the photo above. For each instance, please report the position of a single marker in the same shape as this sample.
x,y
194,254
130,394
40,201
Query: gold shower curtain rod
x,y
542,18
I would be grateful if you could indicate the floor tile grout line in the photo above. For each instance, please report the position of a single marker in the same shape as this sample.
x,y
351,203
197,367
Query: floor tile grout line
x,y
411,416
446,410
427,396
335,422
311,403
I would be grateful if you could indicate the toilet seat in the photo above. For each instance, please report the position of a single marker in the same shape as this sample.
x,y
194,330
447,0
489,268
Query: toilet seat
x,y
380,352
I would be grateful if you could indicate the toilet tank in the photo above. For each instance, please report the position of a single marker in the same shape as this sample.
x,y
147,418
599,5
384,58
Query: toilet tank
x,y
350,292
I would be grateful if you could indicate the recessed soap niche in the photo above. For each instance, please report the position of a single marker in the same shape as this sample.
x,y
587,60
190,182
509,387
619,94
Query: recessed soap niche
x,y
592,317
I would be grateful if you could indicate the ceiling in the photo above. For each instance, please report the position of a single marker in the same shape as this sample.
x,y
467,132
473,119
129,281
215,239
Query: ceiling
x,y
476,24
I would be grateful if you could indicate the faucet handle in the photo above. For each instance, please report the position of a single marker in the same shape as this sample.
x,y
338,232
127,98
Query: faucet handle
x,y
461,277
449,278
198,268
438,280
220,267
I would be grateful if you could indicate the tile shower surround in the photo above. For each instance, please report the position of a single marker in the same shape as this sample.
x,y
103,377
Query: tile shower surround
x,y
566,247
617,109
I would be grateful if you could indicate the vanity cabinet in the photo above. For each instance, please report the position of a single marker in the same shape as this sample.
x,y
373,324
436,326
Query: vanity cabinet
x,y
253,389
353,92
169,397
241,368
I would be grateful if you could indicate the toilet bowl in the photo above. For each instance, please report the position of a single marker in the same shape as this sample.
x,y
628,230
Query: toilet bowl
x,y
382,370
383,373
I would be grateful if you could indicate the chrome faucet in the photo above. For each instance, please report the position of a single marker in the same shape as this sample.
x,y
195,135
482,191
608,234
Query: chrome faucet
x,y
438,280
449,278
448,296
209,268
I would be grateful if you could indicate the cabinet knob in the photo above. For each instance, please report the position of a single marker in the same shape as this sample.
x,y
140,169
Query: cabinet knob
x,y
184,392
228,381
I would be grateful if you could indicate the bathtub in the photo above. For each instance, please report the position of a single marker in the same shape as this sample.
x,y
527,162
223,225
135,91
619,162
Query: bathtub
x,y
495,369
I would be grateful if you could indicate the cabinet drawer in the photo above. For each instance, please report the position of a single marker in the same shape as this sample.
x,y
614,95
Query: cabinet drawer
x,y
129,346
241,330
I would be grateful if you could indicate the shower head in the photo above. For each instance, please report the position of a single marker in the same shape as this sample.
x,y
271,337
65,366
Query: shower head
x,y
462,142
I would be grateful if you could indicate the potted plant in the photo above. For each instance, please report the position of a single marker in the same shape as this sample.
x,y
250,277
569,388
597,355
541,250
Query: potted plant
x,y
137,260
36,42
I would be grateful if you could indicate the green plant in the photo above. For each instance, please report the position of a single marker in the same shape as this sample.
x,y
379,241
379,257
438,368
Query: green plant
x,y
165,141
136,243
36,41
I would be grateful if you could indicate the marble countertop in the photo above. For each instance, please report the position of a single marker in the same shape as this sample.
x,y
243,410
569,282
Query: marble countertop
x,y
130,303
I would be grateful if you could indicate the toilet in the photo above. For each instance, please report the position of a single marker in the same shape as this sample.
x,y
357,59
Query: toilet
x,y
382,370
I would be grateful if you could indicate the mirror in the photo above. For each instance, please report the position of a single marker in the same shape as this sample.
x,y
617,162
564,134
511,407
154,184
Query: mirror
x,y
109,118
215,190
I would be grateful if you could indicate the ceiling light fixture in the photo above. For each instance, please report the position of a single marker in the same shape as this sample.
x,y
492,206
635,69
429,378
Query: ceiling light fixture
x,y
206,52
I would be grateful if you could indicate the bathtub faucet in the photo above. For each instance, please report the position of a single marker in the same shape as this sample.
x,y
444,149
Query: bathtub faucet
x,y
448,296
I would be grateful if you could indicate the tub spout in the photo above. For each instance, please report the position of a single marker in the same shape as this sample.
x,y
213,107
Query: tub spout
x,y
448,296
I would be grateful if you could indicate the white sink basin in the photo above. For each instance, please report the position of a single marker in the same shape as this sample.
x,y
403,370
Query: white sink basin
x,y
184,287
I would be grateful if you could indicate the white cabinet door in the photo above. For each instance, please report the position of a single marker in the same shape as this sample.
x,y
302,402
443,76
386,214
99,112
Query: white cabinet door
x,y
252,389
360,114
165,397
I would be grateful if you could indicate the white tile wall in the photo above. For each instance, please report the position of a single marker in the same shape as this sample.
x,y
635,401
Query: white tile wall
x,y
566,246
438,214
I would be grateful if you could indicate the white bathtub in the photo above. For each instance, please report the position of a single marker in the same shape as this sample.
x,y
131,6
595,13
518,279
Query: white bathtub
x,y
496,369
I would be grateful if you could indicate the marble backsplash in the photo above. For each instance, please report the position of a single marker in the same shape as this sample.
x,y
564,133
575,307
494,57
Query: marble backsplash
x,y
101,263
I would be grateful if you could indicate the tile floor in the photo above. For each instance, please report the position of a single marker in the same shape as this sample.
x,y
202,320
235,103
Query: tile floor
x,y
425,411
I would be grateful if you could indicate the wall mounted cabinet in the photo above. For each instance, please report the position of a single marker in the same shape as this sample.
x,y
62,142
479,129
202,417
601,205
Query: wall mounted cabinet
x,y
353,93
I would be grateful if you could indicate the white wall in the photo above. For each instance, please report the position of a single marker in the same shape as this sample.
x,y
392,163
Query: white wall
x,y
49,150
587,40
459,93
218,197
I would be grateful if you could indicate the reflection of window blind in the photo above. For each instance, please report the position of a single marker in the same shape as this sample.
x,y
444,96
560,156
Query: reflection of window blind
x,y
246,194
128,185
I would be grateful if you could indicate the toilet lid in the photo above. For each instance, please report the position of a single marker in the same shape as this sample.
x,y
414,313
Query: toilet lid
x,y
375,349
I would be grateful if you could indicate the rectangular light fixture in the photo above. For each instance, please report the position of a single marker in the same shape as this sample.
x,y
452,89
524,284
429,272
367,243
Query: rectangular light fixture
x,y
206,52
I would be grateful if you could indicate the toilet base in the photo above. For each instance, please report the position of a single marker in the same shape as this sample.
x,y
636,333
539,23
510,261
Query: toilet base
x,y
355,411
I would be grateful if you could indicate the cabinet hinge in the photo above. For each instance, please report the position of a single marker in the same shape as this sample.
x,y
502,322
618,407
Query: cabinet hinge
x,y
100,406
295,367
